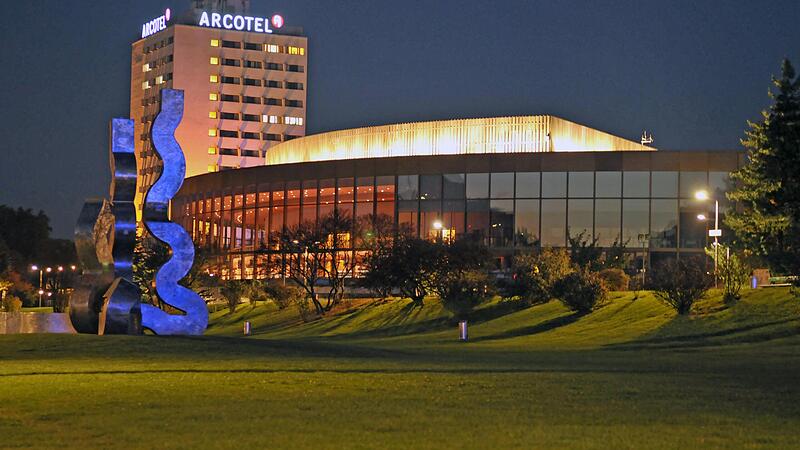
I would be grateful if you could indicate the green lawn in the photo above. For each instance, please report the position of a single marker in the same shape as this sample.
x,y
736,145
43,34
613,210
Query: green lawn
x,y
384,375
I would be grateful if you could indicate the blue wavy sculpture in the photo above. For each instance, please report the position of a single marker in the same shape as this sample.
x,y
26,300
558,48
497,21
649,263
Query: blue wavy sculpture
x,y
156,219
106,301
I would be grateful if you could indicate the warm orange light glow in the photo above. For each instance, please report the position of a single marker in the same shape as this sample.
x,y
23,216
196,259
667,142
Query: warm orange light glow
x,y
526,134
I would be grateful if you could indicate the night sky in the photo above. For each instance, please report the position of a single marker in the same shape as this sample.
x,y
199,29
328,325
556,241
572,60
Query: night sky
x,y
692,72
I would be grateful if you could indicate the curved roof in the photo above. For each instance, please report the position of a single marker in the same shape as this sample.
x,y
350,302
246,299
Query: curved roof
x,y
521,134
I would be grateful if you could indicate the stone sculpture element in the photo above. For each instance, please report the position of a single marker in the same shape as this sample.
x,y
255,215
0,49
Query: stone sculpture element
x,y
194,319
106,301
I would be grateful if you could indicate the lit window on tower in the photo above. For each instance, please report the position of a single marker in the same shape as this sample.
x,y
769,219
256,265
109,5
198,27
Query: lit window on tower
x,y
213,97
212,132
214,60
271,48
212,114
215,42
213,79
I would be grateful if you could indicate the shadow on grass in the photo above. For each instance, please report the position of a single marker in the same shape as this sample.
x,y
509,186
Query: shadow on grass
x,y
705,339
400,324
533,329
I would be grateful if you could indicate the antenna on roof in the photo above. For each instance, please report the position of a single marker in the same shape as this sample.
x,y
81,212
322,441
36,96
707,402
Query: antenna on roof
x,y
647,139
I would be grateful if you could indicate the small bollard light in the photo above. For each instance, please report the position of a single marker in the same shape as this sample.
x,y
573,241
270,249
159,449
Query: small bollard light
x,y
247,328
754,282
462,330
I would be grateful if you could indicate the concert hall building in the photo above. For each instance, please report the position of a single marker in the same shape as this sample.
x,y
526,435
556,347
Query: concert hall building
x,y
514,182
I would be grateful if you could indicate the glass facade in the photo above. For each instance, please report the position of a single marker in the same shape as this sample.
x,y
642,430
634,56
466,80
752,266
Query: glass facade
x,y
507,210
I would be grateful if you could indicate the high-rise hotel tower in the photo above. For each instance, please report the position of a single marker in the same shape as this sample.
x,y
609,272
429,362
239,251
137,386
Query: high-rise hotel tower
x,y
244,79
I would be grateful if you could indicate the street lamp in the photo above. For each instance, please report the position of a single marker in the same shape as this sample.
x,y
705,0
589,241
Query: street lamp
x,y
41,292
36,268
437,225
716,233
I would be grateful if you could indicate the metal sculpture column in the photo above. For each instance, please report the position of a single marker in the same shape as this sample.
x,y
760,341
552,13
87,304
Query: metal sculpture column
x,y
106,301
156,219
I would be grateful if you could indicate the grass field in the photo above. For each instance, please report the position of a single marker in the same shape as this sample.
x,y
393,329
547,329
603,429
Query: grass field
x,y
384,375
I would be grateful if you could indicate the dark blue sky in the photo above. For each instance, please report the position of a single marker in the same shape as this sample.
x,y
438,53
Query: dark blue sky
x,y
692,72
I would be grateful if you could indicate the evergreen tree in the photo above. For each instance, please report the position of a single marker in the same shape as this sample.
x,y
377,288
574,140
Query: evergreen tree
x,y
767,187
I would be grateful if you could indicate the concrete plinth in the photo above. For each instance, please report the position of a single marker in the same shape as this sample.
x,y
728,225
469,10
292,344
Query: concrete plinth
x,y
35,323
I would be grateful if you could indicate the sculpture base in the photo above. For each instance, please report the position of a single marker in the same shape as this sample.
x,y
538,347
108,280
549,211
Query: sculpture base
x,y
35,323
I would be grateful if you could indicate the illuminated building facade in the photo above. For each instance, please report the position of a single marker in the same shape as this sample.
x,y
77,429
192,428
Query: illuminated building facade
x,y
245,90
514,182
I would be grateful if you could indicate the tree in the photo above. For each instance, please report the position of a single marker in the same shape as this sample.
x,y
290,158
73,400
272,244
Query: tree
x,y
338,233
459,274
23,234
233,291
584,252
767,188
406,266
321,251
732,271
679,283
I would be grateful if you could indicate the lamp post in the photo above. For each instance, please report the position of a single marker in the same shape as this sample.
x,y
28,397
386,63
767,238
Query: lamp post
x,y
716,232
41,292
644,238
36,268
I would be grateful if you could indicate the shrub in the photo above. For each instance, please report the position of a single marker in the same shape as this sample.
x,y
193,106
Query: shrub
x,y
680,283
581,290
460,295
732,271
615,279
60,302
12,303
307,312
283,295
536,274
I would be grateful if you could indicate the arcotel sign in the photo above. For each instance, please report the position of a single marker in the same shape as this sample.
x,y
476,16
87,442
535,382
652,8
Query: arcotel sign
x,y
240,23
156,25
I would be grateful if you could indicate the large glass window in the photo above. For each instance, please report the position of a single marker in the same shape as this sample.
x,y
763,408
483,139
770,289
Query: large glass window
x,y
430,213
692,182
636,184
384,192
554,185
664,224
407,215
327,191
430,187
718,185
693,231
554,222
608,184
607,216
365,191
526,222
477,185
580,218
408,187
665,184
503,185
635,220
581,184
478,216
528,184
454,185
502,223
453,218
